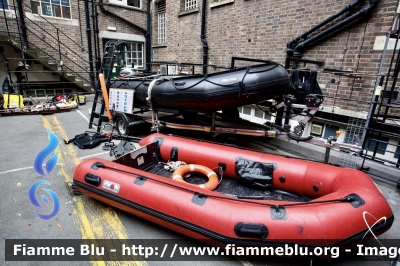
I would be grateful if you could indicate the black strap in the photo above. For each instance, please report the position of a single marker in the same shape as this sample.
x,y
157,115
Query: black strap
x,y
68,141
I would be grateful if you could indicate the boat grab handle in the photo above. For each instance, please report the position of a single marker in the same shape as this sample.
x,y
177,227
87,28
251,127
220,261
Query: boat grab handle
x,y
251,230
93,179
180,83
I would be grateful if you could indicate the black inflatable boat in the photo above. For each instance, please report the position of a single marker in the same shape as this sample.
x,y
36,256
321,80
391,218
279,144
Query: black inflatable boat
x,y
212,92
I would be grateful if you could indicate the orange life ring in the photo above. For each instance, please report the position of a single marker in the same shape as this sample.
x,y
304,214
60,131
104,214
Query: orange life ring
x,y
190,168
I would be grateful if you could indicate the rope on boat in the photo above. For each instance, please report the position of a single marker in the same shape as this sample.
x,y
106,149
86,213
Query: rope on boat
x,y
176,88
223,85
154,121
290,134
344,199
149,89
277,207
173,165
221,173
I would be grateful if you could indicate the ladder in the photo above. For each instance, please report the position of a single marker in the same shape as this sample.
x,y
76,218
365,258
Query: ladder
x,y
383,117
111,50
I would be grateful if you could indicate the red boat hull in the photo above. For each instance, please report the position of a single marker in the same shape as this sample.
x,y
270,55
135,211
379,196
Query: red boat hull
x,y
346,202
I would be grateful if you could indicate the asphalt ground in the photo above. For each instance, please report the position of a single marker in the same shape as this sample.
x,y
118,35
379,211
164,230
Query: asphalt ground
x,y
22,137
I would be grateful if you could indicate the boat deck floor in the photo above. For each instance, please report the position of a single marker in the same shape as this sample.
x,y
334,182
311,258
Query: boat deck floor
x,y
230,186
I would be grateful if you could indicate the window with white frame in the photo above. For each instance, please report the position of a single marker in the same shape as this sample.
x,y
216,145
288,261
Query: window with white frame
x,y
317,129
52,8
161,22
135,57
132,3
190,4
262,114
4,4
254,114
246,110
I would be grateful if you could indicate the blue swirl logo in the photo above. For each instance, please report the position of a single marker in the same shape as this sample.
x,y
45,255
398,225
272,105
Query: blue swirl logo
x,y
41,156
36,203
49,166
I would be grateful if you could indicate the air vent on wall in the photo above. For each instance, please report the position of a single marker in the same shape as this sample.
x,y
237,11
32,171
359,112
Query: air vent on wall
x,y
316,129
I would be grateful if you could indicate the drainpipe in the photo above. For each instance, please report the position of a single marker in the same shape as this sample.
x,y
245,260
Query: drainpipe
x,y
22,20
297,51
89,40
148,38
145,32
203,36
96,38
290,44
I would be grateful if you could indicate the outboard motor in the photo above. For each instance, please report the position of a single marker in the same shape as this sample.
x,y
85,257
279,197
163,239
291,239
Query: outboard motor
x,y
305,87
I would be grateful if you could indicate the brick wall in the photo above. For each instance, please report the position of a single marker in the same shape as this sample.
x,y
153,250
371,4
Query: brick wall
x,y
43,34
73,33
133,15
261,29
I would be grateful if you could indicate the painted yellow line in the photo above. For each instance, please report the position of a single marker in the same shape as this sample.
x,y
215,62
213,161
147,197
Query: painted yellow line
x,y
94,220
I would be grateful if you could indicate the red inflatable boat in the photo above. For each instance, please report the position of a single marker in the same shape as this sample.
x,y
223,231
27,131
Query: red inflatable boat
x,y
256,199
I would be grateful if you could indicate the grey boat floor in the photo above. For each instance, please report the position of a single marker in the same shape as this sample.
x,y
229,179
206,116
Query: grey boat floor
x,y
230,186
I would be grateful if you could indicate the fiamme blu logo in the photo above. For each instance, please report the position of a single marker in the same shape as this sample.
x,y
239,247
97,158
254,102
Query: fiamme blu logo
x,y
45,169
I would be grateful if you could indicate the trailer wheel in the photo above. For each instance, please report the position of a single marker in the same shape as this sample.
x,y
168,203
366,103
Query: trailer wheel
x,y
122,126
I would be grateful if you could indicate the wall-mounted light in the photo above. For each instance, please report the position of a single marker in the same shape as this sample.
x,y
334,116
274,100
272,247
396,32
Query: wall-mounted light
x,y
112,28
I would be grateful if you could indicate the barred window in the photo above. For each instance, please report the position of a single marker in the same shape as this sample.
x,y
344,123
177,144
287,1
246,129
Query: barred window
x,y
52,8
4,4
190,4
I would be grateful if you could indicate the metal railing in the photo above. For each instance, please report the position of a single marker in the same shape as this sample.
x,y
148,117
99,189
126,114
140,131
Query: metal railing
x,y
51,43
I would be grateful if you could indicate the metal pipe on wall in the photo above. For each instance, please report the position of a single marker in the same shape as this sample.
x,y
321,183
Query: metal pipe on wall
x,y
22,21
89,40
203,36
80,28
148,38
303,36
298,49
96,39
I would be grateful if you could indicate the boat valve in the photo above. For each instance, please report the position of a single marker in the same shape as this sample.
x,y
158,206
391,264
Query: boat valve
x,y
278,212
